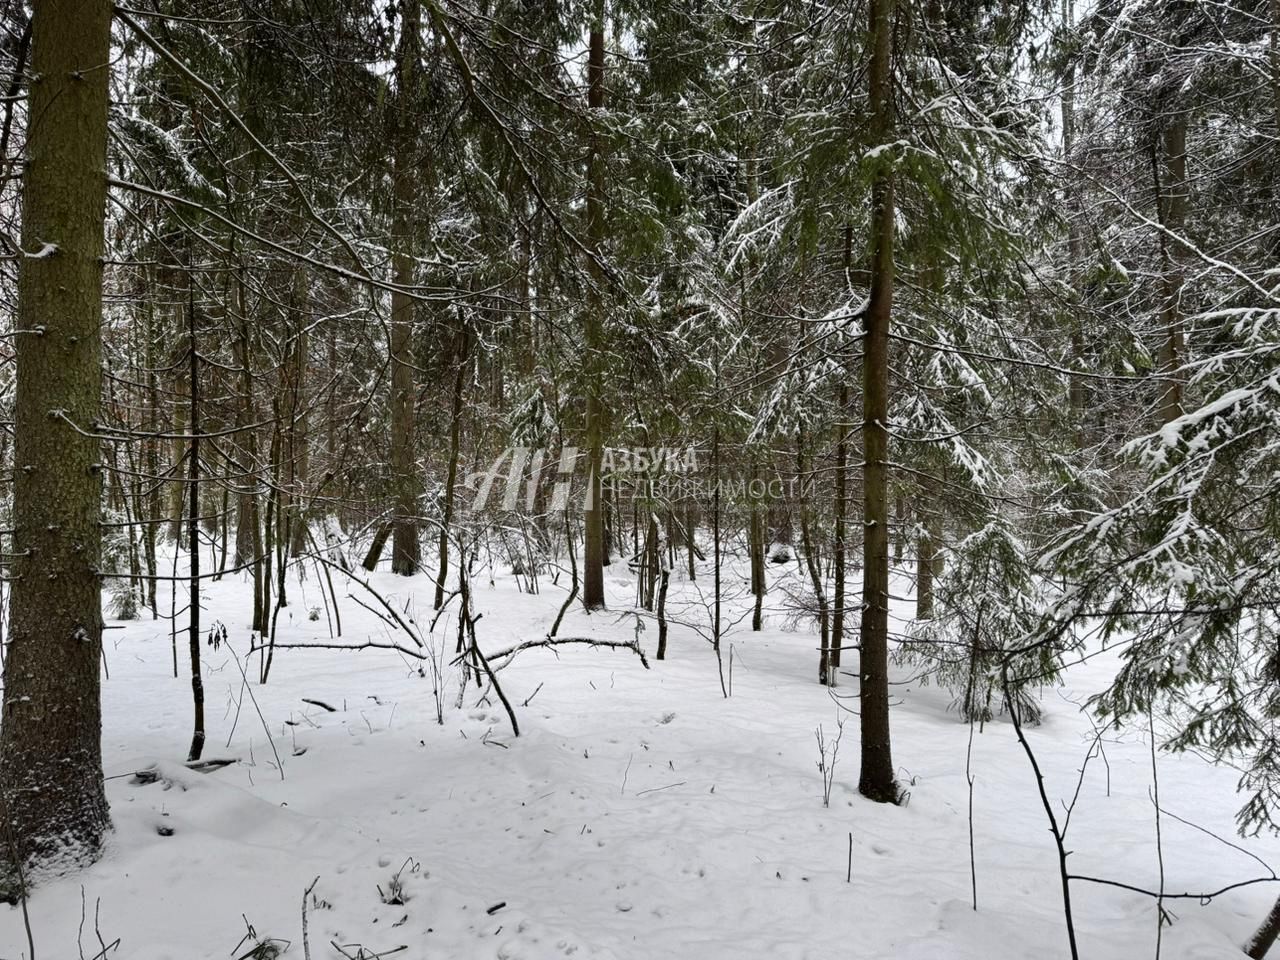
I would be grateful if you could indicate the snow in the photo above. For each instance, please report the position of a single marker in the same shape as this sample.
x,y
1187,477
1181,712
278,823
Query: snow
x,y
639,815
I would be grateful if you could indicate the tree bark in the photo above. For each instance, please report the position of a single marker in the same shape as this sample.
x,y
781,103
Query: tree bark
x,y
838,549
405,555
374,554
451,480
755,546
193,531
1173,209
1077,394
593,547
690,535
842,492
876,781
926,552
299,417
51,784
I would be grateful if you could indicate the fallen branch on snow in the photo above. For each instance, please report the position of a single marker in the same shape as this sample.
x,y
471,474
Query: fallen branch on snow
x,y
501,658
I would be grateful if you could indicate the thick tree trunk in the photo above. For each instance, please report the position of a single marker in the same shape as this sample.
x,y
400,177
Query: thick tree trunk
x,y
876,781
593,560
405,555
51,789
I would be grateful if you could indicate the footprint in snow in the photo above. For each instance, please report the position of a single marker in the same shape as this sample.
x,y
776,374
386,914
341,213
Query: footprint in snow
x,y
532,941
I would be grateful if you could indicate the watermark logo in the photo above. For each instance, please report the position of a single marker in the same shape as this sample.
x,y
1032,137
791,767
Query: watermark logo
x,y
519,466
517,475
522,469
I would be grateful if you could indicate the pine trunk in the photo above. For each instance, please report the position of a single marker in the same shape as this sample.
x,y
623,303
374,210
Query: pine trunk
x,y
51,784
594,548
405,554
876,781
838,549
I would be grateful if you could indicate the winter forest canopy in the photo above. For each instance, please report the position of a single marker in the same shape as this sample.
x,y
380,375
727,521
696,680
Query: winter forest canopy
x,y
639,478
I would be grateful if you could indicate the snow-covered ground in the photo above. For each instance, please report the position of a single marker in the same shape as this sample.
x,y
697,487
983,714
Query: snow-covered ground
x,y
639,815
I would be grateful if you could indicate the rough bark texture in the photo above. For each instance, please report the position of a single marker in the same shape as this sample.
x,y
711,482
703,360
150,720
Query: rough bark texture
x,y
593,547
876,781
51,787
405,553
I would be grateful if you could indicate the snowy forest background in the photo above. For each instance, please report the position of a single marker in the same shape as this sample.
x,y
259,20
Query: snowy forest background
x,y
467,462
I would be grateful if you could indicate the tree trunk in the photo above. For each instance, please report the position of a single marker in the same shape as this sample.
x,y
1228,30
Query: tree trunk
x,y
593,548
1265,935
177,486
193,532
842,493
837,561
1173,209
151,458
247,499
900,528
755,547
663,583
926,554
51,785
876,781
690,531
451,480
653,559
813,565
405,554
299,418
1077,394
374,553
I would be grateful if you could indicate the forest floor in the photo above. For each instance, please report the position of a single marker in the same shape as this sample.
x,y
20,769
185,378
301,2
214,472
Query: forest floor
x,y
640,814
